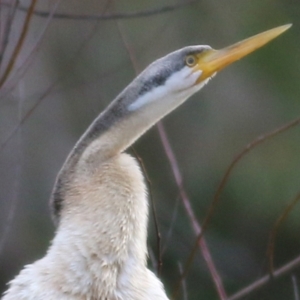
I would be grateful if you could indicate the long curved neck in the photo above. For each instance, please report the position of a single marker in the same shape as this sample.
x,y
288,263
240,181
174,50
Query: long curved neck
x,y
126,119
116,128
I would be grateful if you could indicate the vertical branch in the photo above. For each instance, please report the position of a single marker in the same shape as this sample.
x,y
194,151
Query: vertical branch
x,y
187,205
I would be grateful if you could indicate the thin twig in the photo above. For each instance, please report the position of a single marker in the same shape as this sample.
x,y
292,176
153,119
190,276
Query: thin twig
x,y
261,139
19,44
274,231
105,17
187,205
258,284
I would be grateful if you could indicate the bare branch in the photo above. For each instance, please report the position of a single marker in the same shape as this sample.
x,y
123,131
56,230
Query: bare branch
x,y
261,139
196,226
105,17
255,286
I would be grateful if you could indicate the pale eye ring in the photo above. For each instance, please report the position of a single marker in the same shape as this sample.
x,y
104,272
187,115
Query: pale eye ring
x,y
190,60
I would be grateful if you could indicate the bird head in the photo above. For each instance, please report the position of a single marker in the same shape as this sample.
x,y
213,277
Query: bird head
x,y
175,77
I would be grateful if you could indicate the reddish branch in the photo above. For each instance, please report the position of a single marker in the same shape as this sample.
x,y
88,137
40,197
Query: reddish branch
x,y
187,205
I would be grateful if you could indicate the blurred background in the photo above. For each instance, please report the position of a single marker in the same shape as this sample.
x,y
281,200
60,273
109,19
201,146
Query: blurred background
x,y
69,69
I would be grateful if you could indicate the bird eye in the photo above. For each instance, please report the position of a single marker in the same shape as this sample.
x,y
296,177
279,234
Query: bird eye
x,y
190,60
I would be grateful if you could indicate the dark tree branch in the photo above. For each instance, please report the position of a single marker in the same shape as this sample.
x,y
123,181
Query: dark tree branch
x,y
105,17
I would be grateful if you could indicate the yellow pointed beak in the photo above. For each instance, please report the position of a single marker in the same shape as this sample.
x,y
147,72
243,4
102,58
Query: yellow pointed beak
x,y
212,61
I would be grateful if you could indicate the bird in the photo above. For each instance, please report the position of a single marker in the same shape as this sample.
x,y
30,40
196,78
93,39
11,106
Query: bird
x,y
99,200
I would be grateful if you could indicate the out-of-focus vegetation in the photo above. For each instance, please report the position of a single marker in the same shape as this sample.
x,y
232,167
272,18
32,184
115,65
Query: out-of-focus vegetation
x,y
78,66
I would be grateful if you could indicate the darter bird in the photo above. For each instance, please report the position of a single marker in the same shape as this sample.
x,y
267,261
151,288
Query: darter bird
x,y
99,201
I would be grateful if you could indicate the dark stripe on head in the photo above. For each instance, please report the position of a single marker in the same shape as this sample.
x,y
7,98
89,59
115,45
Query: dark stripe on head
x,y
165,67
160,78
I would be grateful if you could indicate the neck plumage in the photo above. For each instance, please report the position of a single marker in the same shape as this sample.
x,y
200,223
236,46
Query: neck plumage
x,y
100,201
116,128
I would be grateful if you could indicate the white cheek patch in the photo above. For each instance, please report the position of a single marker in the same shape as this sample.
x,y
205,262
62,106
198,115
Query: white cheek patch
x,y
181,84
154,94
